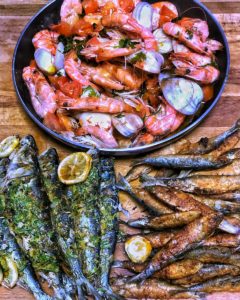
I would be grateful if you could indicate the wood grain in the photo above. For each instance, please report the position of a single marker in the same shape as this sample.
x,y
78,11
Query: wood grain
x,y
14,14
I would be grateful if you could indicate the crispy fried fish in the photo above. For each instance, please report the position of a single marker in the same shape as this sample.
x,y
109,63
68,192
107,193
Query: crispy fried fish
x,y
190,162
186,239
213,184
166,221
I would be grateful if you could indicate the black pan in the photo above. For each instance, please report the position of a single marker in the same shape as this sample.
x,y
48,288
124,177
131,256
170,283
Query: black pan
x,y
49,14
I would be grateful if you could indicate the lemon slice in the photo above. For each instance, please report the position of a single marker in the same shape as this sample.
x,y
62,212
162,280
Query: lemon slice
x,y
11,277
8,145
138,249
75,168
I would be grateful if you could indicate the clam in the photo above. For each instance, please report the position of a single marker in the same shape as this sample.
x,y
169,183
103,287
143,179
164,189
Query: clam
x,y
127,125
143,13
182,94
45,61
59,57
164,42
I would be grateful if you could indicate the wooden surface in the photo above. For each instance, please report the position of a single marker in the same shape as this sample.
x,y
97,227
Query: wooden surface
x,y
14,14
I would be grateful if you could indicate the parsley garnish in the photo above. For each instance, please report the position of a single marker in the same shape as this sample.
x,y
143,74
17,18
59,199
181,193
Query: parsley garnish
x,y
90,92
190,34
140,56
126,43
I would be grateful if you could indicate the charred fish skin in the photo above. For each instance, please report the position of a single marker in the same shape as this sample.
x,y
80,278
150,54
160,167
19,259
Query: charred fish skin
x,y
208,271
200,184
29,217
146,200
206,145
190,162
61,218
10,249
84,202
109,204
186,239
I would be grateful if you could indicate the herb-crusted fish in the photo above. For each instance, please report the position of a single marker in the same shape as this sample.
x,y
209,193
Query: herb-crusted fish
x,y
61,218
109,204
10,251
85,199
30,218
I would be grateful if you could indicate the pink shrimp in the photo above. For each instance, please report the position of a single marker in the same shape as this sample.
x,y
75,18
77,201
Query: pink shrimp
x,y
42,94
103,49
98,125
204,75
70,11
143,139
183,59
72,67
167,11
188,38
47,40
165,121
102,104
198,26
128,23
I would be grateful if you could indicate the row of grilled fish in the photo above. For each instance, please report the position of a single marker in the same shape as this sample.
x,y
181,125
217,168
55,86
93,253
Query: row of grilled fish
x,y
193,221
64,235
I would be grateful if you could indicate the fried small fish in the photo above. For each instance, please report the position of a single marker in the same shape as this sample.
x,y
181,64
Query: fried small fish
x,y
213,184
176,270
151,287
166,221
186,239
144,198
190,162
207,272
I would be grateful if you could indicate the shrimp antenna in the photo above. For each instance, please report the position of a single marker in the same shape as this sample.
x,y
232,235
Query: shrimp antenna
x,y
195,7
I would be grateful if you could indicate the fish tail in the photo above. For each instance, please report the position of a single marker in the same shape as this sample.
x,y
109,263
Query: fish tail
x,y
123,184
89,287
110,295
142,276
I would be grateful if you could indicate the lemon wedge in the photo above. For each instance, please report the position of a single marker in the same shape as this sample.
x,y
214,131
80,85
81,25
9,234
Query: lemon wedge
x,y
11,277
8,145
75,168
138,249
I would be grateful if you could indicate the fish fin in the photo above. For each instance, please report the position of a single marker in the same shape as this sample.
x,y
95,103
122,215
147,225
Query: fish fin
x,y
90,288
110,295
145,177
137,162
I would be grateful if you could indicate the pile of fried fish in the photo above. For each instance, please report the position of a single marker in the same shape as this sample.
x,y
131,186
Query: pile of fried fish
x,y
190,205
63,235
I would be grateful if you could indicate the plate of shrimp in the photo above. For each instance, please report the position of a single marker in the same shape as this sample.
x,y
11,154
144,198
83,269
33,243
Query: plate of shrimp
x,y
126,77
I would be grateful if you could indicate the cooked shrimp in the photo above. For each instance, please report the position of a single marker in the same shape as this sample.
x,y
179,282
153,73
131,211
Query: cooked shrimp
x,y
103,49
198,26
47,40
188,38
204,75
70,11
128,23
92,6
112,76
42,94
99,126
178,47
60,122
167,11
165,121
182,59
152,92
72,66
143,139
102,104
214,45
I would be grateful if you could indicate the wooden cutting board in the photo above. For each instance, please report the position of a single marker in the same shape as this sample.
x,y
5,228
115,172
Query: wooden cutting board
x,y
14,14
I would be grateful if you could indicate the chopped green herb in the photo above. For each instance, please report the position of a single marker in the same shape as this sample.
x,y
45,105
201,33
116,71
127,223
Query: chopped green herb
x,y
90,92
190,34
126,43
139,56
